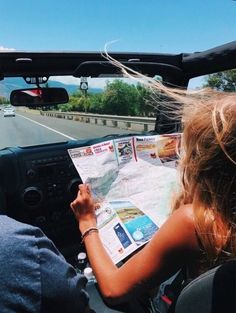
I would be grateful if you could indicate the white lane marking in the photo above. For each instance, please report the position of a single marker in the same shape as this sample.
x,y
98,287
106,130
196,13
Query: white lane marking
x,y
56,131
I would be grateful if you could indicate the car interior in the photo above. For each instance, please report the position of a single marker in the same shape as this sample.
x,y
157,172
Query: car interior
x,y
39,181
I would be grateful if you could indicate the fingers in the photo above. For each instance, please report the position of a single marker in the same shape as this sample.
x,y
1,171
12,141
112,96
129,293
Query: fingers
x,y
73,205
84,188
88,189
83,196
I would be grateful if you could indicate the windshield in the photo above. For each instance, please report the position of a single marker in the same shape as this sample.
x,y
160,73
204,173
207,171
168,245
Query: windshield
x,y
97,107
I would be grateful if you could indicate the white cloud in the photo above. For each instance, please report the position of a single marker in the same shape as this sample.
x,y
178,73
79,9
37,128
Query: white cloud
x,y
6,49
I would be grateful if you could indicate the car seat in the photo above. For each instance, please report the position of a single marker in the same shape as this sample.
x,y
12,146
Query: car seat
x,y
212,292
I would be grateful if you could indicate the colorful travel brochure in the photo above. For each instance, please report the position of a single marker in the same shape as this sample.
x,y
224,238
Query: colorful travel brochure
x,y
133,179
123,228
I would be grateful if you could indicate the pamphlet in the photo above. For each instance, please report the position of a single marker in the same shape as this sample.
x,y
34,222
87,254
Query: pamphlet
x,y
123,228
132,179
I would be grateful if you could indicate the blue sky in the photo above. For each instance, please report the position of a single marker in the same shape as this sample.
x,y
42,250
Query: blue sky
x,y
150,26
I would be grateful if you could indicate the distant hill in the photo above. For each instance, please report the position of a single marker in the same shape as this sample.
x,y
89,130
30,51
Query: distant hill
x,y
9,84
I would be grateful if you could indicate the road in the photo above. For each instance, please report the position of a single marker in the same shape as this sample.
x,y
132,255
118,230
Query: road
x,y
26,129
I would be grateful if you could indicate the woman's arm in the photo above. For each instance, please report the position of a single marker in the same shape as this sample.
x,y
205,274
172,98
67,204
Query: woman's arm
x,y
173,245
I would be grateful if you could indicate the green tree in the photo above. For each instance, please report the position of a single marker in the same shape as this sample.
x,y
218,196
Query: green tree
x,y
146,105
84,103
120,98
96,103
223,81
74,103
4,100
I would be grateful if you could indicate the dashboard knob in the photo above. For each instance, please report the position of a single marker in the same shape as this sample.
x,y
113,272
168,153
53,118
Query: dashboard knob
x,y
31,173
32,196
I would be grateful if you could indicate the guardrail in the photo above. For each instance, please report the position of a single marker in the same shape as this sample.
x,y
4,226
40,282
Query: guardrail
x,y
125,122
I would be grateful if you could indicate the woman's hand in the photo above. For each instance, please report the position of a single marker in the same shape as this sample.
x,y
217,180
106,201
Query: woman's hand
x,y
84,208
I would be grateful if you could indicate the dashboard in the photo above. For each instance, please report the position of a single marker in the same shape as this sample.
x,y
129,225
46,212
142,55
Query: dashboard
x,y
36,187
37,184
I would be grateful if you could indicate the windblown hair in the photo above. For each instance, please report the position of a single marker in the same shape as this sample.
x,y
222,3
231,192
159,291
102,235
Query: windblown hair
x,y
207,163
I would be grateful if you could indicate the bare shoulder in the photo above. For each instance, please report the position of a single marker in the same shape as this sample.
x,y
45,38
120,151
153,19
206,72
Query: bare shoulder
x,y
179,229
184,214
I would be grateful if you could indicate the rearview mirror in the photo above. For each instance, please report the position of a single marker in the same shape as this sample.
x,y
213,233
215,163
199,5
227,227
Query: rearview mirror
x,y
35,97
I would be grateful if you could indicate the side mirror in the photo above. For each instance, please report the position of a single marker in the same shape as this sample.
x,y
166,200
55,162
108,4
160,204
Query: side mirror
x,y
38,97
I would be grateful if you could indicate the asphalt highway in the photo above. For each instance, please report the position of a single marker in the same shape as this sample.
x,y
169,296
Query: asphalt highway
x,y
30,128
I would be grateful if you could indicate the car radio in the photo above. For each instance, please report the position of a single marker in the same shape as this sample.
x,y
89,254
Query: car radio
x,y
41,192
53,178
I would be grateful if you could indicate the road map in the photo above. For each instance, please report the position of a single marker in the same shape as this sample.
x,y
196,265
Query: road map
x,y
132,179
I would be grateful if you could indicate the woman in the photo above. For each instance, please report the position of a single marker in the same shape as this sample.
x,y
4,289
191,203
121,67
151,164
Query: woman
x,y
200,232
